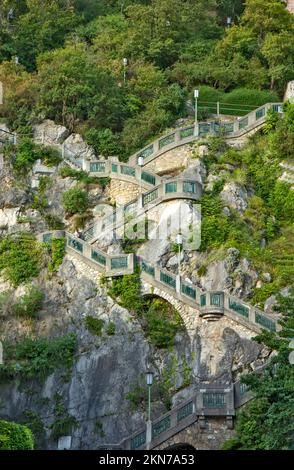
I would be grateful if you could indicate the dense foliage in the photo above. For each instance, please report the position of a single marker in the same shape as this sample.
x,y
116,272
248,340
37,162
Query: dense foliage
x,y
159,319
75,200
70,63
264,233
268,421
15,437
37,358
20,258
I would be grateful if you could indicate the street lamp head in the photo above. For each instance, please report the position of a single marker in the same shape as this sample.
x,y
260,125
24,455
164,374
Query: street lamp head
x,y
179,239
125,61
140,161
149,378
196,93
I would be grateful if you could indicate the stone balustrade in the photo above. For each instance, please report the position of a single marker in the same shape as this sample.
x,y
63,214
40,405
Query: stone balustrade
x,y
182,136
209,400
171,189
211,304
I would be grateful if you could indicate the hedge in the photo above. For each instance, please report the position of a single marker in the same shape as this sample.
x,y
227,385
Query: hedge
x,y
15,437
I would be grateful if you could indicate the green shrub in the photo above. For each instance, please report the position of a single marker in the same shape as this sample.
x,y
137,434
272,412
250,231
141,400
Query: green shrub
x,y
110,329
57,253
26,154
15,436
243,100
75,200
159,319
282,201
94,325
83,176
37,358
104,142
30,304
53,222
20,258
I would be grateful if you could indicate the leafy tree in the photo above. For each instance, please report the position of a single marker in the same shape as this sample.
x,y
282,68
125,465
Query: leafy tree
x,y
74,88
75,200
42,28
258,39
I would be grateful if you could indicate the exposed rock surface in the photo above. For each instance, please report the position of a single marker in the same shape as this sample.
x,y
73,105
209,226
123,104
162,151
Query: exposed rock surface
x,y
235,196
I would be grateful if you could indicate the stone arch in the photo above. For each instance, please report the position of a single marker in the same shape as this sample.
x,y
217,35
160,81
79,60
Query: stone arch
x,y
189,315
181,446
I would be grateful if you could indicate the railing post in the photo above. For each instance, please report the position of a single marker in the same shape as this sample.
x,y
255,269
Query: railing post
x,y
14,139
63,150
177,135
178,284
217,109
196,130
155,147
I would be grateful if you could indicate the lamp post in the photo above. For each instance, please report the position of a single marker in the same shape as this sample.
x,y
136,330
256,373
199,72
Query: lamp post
x,y
140,164
196,96
125,64
149,381
179,242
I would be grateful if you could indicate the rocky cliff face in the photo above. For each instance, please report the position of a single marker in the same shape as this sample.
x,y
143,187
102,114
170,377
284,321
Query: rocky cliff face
x,y
107,367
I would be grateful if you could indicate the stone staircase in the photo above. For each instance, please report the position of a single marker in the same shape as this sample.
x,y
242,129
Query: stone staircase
x,y
207,401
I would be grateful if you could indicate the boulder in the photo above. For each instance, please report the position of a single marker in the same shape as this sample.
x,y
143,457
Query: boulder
x,y
195,171
50,134
235,196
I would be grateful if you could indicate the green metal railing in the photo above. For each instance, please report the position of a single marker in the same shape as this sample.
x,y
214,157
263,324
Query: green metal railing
x,y
265,322
215,299
149,197
202,300
98,257
75,244
119,263
148,178
97,167
214,400
169,139
185,133
127,170
161,427
239,308
188,290
204,128
146,152
260,113
167,279
244,388
148,269
114,168
243,123
171,187
185,411
189,187
138,440
47,237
